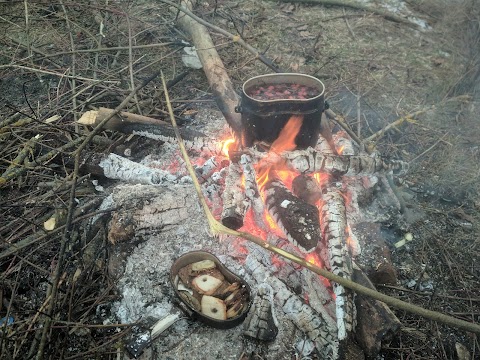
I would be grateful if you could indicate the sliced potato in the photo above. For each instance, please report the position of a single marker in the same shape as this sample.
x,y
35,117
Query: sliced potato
x,y
203,265
213,307
206,284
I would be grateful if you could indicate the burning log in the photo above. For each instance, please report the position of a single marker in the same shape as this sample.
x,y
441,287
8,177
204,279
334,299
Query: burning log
x,y
307,189
235,203
310,161
298,219
251,189
333,221
318,328
208,168
261,323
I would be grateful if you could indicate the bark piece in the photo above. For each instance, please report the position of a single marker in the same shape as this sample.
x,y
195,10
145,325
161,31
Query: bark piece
x,y
298,219
261,323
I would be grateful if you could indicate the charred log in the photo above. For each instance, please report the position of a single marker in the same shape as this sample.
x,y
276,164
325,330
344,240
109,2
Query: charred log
x,y
129,123
310,161
261,323
319,329
298,219
307,188
333,221
235,204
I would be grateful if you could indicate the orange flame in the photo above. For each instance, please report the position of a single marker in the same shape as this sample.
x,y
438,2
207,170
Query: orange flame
x,y
314,259
286,138
340,149
284,142
322,178
227,144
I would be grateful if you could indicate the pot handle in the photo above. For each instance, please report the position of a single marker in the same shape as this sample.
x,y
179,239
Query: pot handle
x,y
238,108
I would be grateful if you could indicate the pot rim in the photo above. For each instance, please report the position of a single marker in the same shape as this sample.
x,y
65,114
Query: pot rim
x,y
288,75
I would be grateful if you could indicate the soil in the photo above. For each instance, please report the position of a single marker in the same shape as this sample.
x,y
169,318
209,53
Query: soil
x,y
375,71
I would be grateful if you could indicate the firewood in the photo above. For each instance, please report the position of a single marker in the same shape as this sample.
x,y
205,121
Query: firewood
x,y
298,219
319,329
261,323
218,79
310,161
376,323
235,203
333,220
130,123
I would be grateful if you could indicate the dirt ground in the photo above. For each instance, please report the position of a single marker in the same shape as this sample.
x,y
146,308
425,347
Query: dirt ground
x,y
55,65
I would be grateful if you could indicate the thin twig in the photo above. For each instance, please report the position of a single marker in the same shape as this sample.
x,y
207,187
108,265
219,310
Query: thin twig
x,y
130,63
430,148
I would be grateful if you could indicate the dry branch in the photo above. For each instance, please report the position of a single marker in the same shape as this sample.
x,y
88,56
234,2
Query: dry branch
x,y
357,6
218,79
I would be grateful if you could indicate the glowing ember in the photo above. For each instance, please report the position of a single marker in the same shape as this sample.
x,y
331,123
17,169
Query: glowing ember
x,y
321,178
250,225
314,259
340,149
272,224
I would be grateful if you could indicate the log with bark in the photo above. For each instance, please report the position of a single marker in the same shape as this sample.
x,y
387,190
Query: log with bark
x,y
297,219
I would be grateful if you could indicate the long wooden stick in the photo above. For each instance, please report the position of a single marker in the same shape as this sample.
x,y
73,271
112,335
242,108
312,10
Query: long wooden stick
x,y
217,228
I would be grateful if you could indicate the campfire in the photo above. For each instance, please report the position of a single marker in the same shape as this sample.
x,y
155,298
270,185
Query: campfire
x,y
300,198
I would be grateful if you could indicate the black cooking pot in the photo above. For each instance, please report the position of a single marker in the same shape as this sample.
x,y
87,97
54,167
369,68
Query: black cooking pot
x,y
262,120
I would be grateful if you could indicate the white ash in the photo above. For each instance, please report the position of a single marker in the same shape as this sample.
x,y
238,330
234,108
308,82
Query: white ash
x,y
285,204
120,168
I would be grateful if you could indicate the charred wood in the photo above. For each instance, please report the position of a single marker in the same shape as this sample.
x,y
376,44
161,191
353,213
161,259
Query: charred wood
x,y
209,167
333,220
235,203
298,219
129,123
307,188
376,323
317,328
261,323
251,189
116,167
310,161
